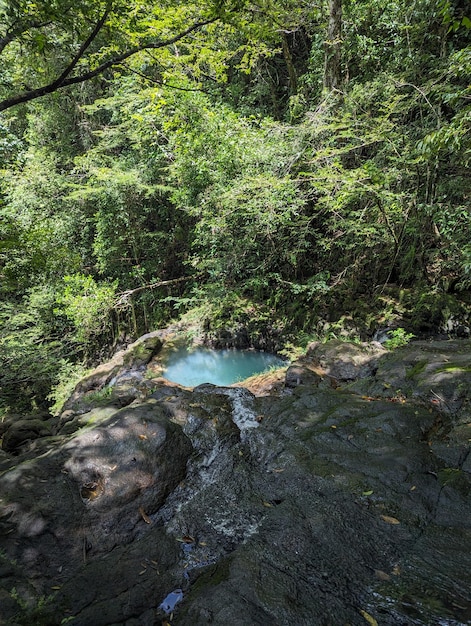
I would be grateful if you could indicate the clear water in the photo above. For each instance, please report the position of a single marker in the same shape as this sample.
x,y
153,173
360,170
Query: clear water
x,y
219,367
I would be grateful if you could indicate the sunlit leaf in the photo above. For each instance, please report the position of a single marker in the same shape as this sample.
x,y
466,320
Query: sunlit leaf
x,y
371,620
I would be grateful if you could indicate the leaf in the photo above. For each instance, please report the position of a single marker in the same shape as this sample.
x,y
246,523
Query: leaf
x,y
367,493
382,575
144,516
371,620
390,520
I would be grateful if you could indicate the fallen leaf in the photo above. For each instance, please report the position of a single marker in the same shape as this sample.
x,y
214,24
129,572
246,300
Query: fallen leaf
x,y
267,504
413,488
142,436
56,587
389,519
371,620
188,539
333,426
278,469
382,575
144,516
396,570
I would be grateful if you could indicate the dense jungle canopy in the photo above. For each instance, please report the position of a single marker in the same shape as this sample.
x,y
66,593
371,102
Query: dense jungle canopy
x,y
298,169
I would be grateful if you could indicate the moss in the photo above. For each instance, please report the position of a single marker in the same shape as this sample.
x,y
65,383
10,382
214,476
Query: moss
x,y
416,369
212,576
451,367
456,479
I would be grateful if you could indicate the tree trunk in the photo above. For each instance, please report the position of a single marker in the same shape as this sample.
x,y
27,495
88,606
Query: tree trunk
x,y
333,48
293,79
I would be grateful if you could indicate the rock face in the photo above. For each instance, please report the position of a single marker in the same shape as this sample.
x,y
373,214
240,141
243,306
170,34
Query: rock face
x,y
342,499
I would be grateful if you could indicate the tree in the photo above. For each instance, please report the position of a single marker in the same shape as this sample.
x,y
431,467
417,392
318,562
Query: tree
x,y
333,47
75,42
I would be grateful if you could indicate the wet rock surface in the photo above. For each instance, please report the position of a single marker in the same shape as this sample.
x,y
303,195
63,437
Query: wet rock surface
x,y
343,498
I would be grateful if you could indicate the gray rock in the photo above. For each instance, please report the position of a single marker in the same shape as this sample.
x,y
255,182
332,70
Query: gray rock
x,y
345,361
23,431
326,505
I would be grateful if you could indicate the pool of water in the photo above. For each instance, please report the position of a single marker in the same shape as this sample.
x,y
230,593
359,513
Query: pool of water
x,y
220,367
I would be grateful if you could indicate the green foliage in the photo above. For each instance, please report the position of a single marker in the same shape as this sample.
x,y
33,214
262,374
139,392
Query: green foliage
x,y
42,611
32,344
67,377
397,338
88,305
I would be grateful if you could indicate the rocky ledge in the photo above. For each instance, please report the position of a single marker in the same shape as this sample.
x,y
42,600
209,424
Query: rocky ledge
x,y
339,494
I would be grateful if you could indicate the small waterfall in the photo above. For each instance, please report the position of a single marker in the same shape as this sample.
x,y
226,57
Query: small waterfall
x,y
243,414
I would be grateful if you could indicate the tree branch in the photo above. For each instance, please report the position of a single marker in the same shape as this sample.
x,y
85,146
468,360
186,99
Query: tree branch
x,y
161,83
125,295
13,33
86,44
63,80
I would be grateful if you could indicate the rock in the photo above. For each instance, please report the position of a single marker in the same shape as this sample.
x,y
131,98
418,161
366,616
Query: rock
x,y
123,469
341,504
24,430
141,351
346,361
123,371
300,374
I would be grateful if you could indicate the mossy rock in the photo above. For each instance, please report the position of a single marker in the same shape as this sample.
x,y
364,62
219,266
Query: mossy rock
x,y
141,351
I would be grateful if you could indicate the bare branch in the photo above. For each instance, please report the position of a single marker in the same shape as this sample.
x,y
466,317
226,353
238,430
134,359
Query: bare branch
x,y
125,295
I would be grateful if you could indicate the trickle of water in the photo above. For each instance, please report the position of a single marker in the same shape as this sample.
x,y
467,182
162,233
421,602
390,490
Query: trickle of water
x,y
242,414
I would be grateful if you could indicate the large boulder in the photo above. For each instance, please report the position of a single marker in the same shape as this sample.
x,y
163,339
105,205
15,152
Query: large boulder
x,y
121,375
93,491
344,360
